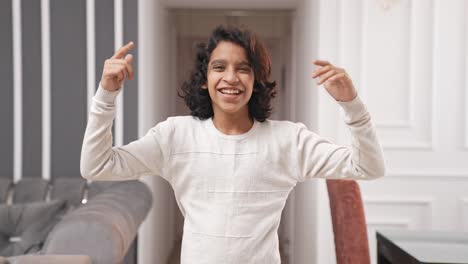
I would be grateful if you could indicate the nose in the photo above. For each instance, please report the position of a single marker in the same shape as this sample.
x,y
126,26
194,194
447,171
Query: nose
x,y
231,76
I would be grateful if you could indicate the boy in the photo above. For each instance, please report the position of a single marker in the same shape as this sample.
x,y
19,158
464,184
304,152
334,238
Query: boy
x,y
230,167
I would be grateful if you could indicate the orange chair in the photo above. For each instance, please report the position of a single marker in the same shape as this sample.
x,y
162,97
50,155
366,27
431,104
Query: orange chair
x,y
349,222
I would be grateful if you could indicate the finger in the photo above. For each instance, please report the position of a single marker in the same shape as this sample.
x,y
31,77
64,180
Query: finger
x,y
337,76
321,70
123,50
327,76
128,63
115,76
321,63
116,62
123,65
117,71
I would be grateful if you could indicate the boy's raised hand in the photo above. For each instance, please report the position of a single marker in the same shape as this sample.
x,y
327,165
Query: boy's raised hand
x,y
335,80
117,68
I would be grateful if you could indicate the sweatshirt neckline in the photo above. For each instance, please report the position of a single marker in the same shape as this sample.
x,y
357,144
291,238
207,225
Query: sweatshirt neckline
x,y
234,137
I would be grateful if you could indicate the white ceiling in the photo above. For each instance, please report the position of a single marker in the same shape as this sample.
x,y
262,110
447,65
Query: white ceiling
x,y
231,4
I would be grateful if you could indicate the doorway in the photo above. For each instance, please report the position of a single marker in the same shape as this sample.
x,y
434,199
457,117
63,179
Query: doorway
x,y
275,29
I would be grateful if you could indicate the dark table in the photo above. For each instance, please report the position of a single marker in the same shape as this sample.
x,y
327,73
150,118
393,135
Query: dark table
x,y
425,247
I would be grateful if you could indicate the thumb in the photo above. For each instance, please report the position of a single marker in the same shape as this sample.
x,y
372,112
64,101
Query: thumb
x,y
129,58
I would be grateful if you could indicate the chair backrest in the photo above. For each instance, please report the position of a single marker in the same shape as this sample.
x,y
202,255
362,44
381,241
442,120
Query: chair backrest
x,y
349,222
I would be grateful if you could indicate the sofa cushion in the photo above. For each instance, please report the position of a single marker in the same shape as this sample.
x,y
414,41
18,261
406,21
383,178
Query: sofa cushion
x,y
29,190
51,259
5,185
68,189
24,227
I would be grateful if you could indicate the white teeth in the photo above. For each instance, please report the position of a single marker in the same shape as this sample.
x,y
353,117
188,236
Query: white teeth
x,y
230,91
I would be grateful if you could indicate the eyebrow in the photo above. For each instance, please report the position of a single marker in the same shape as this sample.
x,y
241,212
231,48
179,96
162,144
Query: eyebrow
x,y
244,63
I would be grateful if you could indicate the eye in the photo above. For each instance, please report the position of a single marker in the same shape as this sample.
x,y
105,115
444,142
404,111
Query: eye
x,y
218,67
244,69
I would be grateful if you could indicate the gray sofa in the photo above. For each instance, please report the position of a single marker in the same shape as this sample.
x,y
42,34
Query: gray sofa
x,y
93,223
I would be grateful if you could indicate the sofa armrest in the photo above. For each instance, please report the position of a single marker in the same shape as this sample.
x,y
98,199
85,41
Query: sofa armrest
x,y
51,259
105,227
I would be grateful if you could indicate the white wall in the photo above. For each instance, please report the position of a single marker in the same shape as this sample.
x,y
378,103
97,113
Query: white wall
x,y
408,59
154,106
306,34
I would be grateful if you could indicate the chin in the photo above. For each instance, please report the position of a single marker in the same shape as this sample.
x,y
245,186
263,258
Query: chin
x,y
231,109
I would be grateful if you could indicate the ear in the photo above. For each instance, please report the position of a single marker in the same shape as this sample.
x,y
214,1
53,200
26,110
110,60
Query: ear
x,y
204,86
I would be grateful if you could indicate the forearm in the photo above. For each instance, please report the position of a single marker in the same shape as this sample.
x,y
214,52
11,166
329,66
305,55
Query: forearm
x,y
362,159
101,161
365,154
96,151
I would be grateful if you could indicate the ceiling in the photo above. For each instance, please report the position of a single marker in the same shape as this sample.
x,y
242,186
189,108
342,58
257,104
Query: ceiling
x,y
230,4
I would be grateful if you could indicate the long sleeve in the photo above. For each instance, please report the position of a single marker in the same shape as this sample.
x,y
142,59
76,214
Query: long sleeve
x,y
363,159
101,161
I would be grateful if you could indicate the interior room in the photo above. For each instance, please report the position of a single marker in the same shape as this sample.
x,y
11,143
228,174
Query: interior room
x,y
408,61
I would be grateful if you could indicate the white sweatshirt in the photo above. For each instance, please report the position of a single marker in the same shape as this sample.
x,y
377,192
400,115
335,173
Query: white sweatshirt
x,y
231,189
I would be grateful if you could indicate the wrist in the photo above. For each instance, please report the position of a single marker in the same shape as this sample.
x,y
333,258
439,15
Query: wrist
x,y
108,85
106,96
348,97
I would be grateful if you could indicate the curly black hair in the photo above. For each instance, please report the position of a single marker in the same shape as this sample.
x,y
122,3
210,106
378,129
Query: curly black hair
x,y
198,99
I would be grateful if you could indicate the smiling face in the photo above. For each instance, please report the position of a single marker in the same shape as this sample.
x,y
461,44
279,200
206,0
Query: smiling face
x,y
230,79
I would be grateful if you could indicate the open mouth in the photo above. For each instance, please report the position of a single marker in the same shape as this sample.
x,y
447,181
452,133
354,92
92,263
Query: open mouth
x,y
230,91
